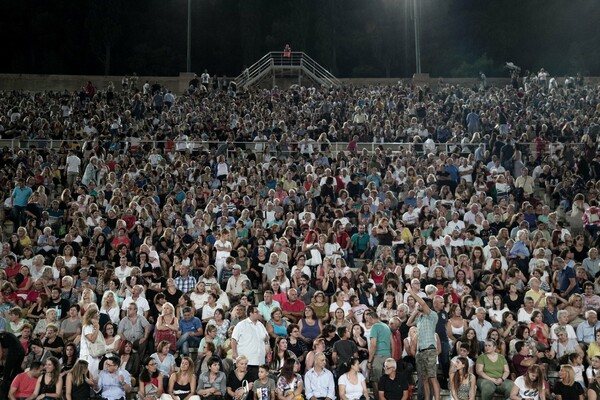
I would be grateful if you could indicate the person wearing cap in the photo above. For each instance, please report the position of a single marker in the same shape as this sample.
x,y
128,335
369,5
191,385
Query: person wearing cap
x,y
234,283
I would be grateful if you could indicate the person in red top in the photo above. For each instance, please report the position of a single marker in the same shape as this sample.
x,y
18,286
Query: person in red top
x,y
23,386
343,239
287,51
12,266
293,309
396,337
377,272
129,219
120,239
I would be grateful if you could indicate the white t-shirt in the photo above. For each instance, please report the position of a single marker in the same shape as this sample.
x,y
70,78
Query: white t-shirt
x,y
346,307
84,345
353,392
208,312
141,303
121,274
524,316
73,163
526,393
251,341
220,253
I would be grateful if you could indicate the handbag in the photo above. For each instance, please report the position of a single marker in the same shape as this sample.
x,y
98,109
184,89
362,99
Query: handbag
x,y
150,389
98,348
247,392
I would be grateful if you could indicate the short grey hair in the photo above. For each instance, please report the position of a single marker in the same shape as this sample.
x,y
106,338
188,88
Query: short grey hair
x,y
430,289
391,363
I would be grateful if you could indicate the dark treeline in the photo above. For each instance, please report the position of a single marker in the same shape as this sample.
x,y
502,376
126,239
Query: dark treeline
x,y
352,38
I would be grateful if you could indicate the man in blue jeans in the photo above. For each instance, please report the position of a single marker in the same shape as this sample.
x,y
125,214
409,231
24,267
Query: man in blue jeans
x,y
20,197
190,332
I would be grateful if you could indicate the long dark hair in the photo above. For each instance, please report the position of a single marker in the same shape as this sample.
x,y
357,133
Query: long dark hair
x,y
55,371
66,361
145,374
287,372
347,366
460,374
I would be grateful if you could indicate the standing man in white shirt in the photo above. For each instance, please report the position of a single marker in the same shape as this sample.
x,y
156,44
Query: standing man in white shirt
x,y
250,338
73,164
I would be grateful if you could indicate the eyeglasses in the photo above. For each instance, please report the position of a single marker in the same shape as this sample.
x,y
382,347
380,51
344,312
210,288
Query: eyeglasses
x,y
387,368
152,365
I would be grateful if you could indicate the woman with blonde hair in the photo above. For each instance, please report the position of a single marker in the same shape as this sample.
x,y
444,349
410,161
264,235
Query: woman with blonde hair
x,y
566,388
167,326
110,306
182,384
236,378
90,334
88,297
79,382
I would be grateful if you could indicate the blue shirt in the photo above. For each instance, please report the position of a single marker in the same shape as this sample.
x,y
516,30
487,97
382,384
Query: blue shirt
x,y
190,326
21,196
520,249
185,284
319,385
563,279
587,333
110,386
453,171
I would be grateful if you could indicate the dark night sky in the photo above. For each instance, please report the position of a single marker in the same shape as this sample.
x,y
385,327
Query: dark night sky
x,y
352,38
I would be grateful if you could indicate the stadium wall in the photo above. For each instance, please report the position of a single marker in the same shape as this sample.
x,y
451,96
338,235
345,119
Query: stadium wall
x,y
39,83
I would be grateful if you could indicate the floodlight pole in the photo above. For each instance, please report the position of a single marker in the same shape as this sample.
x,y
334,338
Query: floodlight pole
x,y
417,21
189,36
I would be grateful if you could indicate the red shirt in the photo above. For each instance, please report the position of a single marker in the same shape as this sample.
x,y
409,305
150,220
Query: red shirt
x,y
298,306
12,271
378,279
129,221
343,239
25,385
397,340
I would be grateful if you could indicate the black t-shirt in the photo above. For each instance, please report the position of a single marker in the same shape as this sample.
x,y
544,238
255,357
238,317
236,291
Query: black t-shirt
x,y
173,298
56,344
62,307
393,389
233,382
344,349
568,392
513,304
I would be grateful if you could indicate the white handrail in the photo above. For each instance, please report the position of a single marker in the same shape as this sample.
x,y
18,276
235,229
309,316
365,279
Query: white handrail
x,y
281,61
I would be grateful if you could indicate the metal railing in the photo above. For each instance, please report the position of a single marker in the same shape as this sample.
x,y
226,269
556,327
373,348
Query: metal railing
x,y
335,147
277,61
196,145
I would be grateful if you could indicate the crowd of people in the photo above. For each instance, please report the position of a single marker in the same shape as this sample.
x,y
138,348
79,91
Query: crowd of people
x,y
227,244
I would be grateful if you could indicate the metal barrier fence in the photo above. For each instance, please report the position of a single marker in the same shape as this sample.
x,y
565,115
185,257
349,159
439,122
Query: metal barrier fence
x,y
335,147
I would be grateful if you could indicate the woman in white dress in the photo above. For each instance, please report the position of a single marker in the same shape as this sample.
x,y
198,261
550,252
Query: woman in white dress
x,y
110,306
353,384
90,333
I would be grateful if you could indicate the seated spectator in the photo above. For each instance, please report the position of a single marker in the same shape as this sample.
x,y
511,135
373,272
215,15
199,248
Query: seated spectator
x,y
23,386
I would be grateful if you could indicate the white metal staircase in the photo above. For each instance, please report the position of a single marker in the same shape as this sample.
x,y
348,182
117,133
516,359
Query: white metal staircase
x,y
278,64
